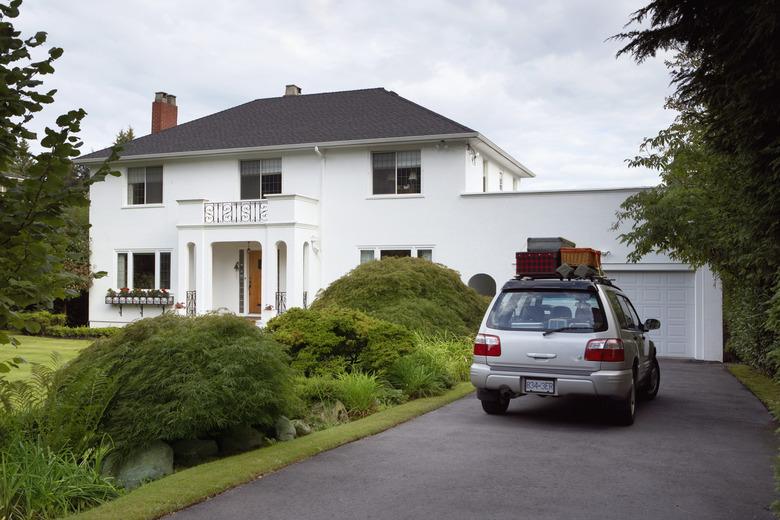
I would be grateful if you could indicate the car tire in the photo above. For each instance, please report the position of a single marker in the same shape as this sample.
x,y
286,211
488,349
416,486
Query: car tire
x,y
653,382
625,409
497,407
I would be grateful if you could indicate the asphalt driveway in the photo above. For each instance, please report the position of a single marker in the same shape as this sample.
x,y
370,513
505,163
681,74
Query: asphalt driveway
x,y
703,449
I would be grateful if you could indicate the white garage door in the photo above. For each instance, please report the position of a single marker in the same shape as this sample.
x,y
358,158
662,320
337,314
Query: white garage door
x,y
669,297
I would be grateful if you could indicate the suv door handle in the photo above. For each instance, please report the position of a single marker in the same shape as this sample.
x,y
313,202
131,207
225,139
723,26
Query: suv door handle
x,y
541,355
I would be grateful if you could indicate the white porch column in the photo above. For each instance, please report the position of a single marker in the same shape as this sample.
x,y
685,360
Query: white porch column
x,y
269,274
203,282
294,273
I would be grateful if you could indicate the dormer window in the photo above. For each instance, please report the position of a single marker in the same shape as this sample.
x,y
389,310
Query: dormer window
x,y
261,178
144,185
396,172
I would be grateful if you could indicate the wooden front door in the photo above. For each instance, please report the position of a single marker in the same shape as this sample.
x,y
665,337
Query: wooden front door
x,y
254,270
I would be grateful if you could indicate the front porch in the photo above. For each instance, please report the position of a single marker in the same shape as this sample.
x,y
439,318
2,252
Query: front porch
x,y
238,259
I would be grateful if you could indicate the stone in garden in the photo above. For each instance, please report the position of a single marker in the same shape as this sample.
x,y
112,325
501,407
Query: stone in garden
x,y
301,428
331,413
189,452
240,438
285,430
141,465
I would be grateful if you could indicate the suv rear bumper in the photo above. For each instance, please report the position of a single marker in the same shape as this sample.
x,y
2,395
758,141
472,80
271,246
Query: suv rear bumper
x,y
602,383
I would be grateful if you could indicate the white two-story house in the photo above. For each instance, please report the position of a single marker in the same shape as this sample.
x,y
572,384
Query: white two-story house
x,y
256,208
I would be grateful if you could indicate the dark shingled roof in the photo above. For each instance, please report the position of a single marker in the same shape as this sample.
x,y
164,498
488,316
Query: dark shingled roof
x,y
313,118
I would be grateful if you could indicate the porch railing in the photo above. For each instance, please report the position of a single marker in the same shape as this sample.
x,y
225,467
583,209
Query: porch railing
x,y
235,212
281,302
191,306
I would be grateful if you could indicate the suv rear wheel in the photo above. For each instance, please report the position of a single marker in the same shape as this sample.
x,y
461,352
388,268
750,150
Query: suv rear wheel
x,y
496,405
625,409
650,389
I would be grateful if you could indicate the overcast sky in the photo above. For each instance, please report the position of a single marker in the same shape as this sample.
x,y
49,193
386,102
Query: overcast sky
x,y
535,77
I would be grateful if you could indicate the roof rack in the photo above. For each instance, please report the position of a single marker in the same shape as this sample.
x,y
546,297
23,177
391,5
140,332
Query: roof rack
x,y
597,278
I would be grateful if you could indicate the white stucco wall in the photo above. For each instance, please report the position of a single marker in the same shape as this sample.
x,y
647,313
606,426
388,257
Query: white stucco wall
x,y
469,231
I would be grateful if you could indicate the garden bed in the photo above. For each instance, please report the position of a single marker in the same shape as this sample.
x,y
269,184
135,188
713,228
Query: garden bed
x,y
193,485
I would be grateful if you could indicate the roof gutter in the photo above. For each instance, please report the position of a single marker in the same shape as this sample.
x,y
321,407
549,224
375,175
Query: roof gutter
x,y
284,147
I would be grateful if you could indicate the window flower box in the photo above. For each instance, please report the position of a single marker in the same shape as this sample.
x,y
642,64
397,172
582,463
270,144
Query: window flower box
x,y
140,297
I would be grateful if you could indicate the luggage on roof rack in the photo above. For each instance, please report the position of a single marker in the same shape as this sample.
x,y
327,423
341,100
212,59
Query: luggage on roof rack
x,y
537,263
575,256
547,244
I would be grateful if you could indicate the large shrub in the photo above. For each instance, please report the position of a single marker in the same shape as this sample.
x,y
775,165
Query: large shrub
x,y
334,340
412,292
180,378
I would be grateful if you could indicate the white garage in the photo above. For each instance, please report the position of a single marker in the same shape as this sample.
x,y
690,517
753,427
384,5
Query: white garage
x,y
687,305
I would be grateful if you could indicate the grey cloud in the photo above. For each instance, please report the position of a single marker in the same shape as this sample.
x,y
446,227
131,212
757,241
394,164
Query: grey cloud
x,y
538,78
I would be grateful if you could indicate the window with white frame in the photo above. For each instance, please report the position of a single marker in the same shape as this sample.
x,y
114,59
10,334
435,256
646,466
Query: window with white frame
x,y
260,178
500,181
396,172
144,185
143,269
369,254
366,255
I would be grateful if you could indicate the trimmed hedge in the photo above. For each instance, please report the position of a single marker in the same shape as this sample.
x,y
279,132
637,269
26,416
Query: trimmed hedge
x,y
182,378
411,292
58,331
38,322
335,340
44,323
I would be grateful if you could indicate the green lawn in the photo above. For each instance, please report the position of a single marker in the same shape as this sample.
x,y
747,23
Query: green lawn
x,y
38,350
765,388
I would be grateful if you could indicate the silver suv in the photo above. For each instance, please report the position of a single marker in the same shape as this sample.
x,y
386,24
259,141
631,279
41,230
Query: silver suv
x,y
559,338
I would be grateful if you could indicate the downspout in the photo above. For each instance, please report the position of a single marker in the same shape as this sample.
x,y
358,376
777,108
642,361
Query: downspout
x,y
321,155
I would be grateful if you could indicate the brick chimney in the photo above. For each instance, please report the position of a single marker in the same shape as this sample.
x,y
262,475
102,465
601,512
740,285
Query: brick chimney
x,y
292,90
164,112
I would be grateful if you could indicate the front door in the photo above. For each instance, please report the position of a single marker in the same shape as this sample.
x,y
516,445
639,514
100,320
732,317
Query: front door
x,y
254,270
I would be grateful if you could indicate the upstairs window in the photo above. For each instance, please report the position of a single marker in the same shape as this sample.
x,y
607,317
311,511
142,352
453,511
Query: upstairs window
x,y
260,178
500,181
396,172
144,185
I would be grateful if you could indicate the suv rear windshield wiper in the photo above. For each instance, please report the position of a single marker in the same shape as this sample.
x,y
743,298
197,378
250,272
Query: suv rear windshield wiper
x,y
569,327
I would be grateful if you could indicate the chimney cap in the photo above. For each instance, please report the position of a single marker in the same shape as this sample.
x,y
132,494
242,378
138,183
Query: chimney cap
x,y
292,90
164,97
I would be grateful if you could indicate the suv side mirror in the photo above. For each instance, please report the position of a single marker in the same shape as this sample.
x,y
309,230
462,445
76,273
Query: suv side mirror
x,y
652,324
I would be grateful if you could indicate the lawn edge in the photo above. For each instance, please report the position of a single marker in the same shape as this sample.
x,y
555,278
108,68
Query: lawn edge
x,y
759,385
194,485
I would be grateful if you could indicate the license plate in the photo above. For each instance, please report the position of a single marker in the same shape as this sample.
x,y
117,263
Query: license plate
x,y
539,386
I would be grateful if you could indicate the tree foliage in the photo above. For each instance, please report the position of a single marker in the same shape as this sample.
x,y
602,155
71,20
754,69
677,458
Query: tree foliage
x,y
124,136
36,189
719,200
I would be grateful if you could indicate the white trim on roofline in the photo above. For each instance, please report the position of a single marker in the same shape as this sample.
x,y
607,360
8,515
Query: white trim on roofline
x,y
283,147
572,191
321,145
525,172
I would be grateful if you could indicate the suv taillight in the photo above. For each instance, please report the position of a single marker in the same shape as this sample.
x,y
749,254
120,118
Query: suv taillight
x,y
487,345
609,350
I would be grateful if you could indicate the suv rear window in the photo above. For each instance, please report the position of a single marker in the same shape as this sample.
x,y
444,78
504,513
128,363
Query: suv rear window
x,y
565,310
